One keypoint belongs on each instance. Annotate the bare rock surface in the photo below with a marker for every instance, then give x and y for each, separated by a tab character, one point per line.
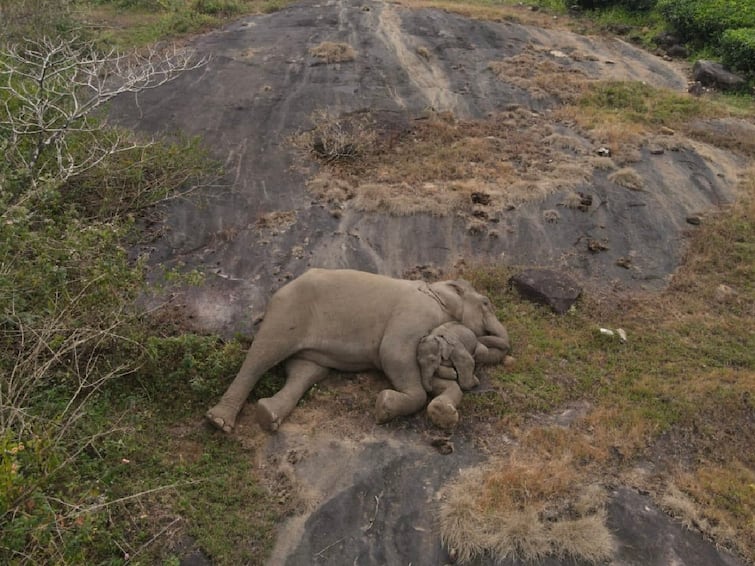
370	496
260	226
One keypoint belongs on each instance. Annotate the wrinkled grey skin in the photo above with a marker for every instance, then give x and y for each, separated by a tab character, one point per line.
453	345
352	321
442	410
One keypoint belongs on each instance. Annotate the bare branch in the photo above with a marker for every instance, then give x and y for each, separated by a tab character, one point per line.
52	90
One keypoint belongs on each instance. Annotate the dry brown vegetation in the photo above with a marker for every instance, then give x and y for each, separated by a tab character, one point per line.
533	71
333	52
440	165
498	12
669	412
526	507
628	178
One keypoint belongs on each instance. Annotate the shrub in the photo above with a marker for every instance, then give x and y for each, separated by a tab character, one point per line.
738	49
33	18
706	20
629	5
217	7
66	285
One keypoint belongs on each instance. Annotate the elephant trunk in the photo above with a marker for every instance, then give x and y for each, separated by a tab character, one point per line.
493	327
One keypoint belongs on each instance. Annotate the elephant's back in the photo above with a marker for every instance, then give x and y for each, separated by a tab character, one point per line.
351	283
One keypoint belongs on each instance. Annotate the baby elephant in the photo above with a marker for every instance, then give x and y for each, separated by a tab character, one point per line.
447	355
451	346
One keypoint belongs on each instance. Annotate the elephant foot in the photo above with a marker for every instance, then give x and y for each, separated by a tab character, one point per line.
266	416
386	405
443	413
391	404
221	417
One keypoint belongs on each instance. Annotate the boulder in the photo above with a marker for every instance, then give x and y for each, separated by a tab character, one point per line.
666	39
712	74
553	288
677	51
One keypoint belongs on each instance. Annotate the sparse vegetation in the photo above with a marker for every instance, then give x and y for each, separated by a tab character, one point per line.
333	52
440	163
687	369
129	23
627	178
84	374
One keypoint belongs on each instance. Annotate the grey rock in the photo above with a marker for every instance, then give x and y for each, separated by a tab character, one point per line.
666	39
713	74
647	537
694	219
678	51
553	288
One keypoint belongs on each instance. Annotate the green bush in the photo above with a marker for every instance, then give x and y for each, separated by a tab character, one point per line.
704	21
223	8
151	5
738	49
629	5
68	327
22	19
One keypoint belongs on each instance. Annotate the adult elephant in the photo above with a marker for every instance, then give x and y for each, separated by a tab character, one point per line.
353	321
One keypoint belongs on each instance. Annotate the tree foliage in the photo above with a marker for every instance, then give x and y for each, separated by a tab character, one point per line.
67	282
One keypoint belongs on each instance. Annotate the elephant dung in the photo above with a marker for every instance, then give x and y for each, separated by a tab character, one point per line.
555	289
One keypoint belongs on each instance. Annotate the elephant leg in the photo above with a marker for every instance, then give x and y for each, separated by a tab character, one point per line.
442	410
465	366
399	363
445	372
300	376
267	350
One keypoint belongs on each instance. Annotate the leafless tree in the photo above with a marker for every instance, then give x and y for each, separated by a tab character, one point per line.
50	94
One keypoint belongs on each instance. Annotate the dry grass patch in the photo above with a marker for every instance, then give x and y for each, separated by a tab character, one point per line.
496	12
333	52
533	71
719	501
526	507
441	165
628	178
278	221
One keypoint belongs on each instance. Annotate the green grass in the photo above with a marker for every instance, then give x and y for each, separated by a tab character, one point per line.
686	372
127	23
643	104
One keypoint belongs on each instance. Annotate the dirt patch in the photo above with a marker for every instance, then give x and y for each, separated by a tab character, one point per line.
333	52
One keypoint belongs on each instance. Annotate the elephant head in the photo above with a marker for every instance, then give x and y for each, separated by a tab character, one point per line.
431	351
474	310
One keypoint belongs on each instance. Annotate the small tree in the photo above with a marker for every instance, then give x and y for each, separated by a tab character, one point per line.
51	91
65	282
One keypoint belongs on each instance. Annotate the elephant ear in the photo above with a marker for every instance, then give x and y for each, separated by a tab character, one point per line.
450	295
461	286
